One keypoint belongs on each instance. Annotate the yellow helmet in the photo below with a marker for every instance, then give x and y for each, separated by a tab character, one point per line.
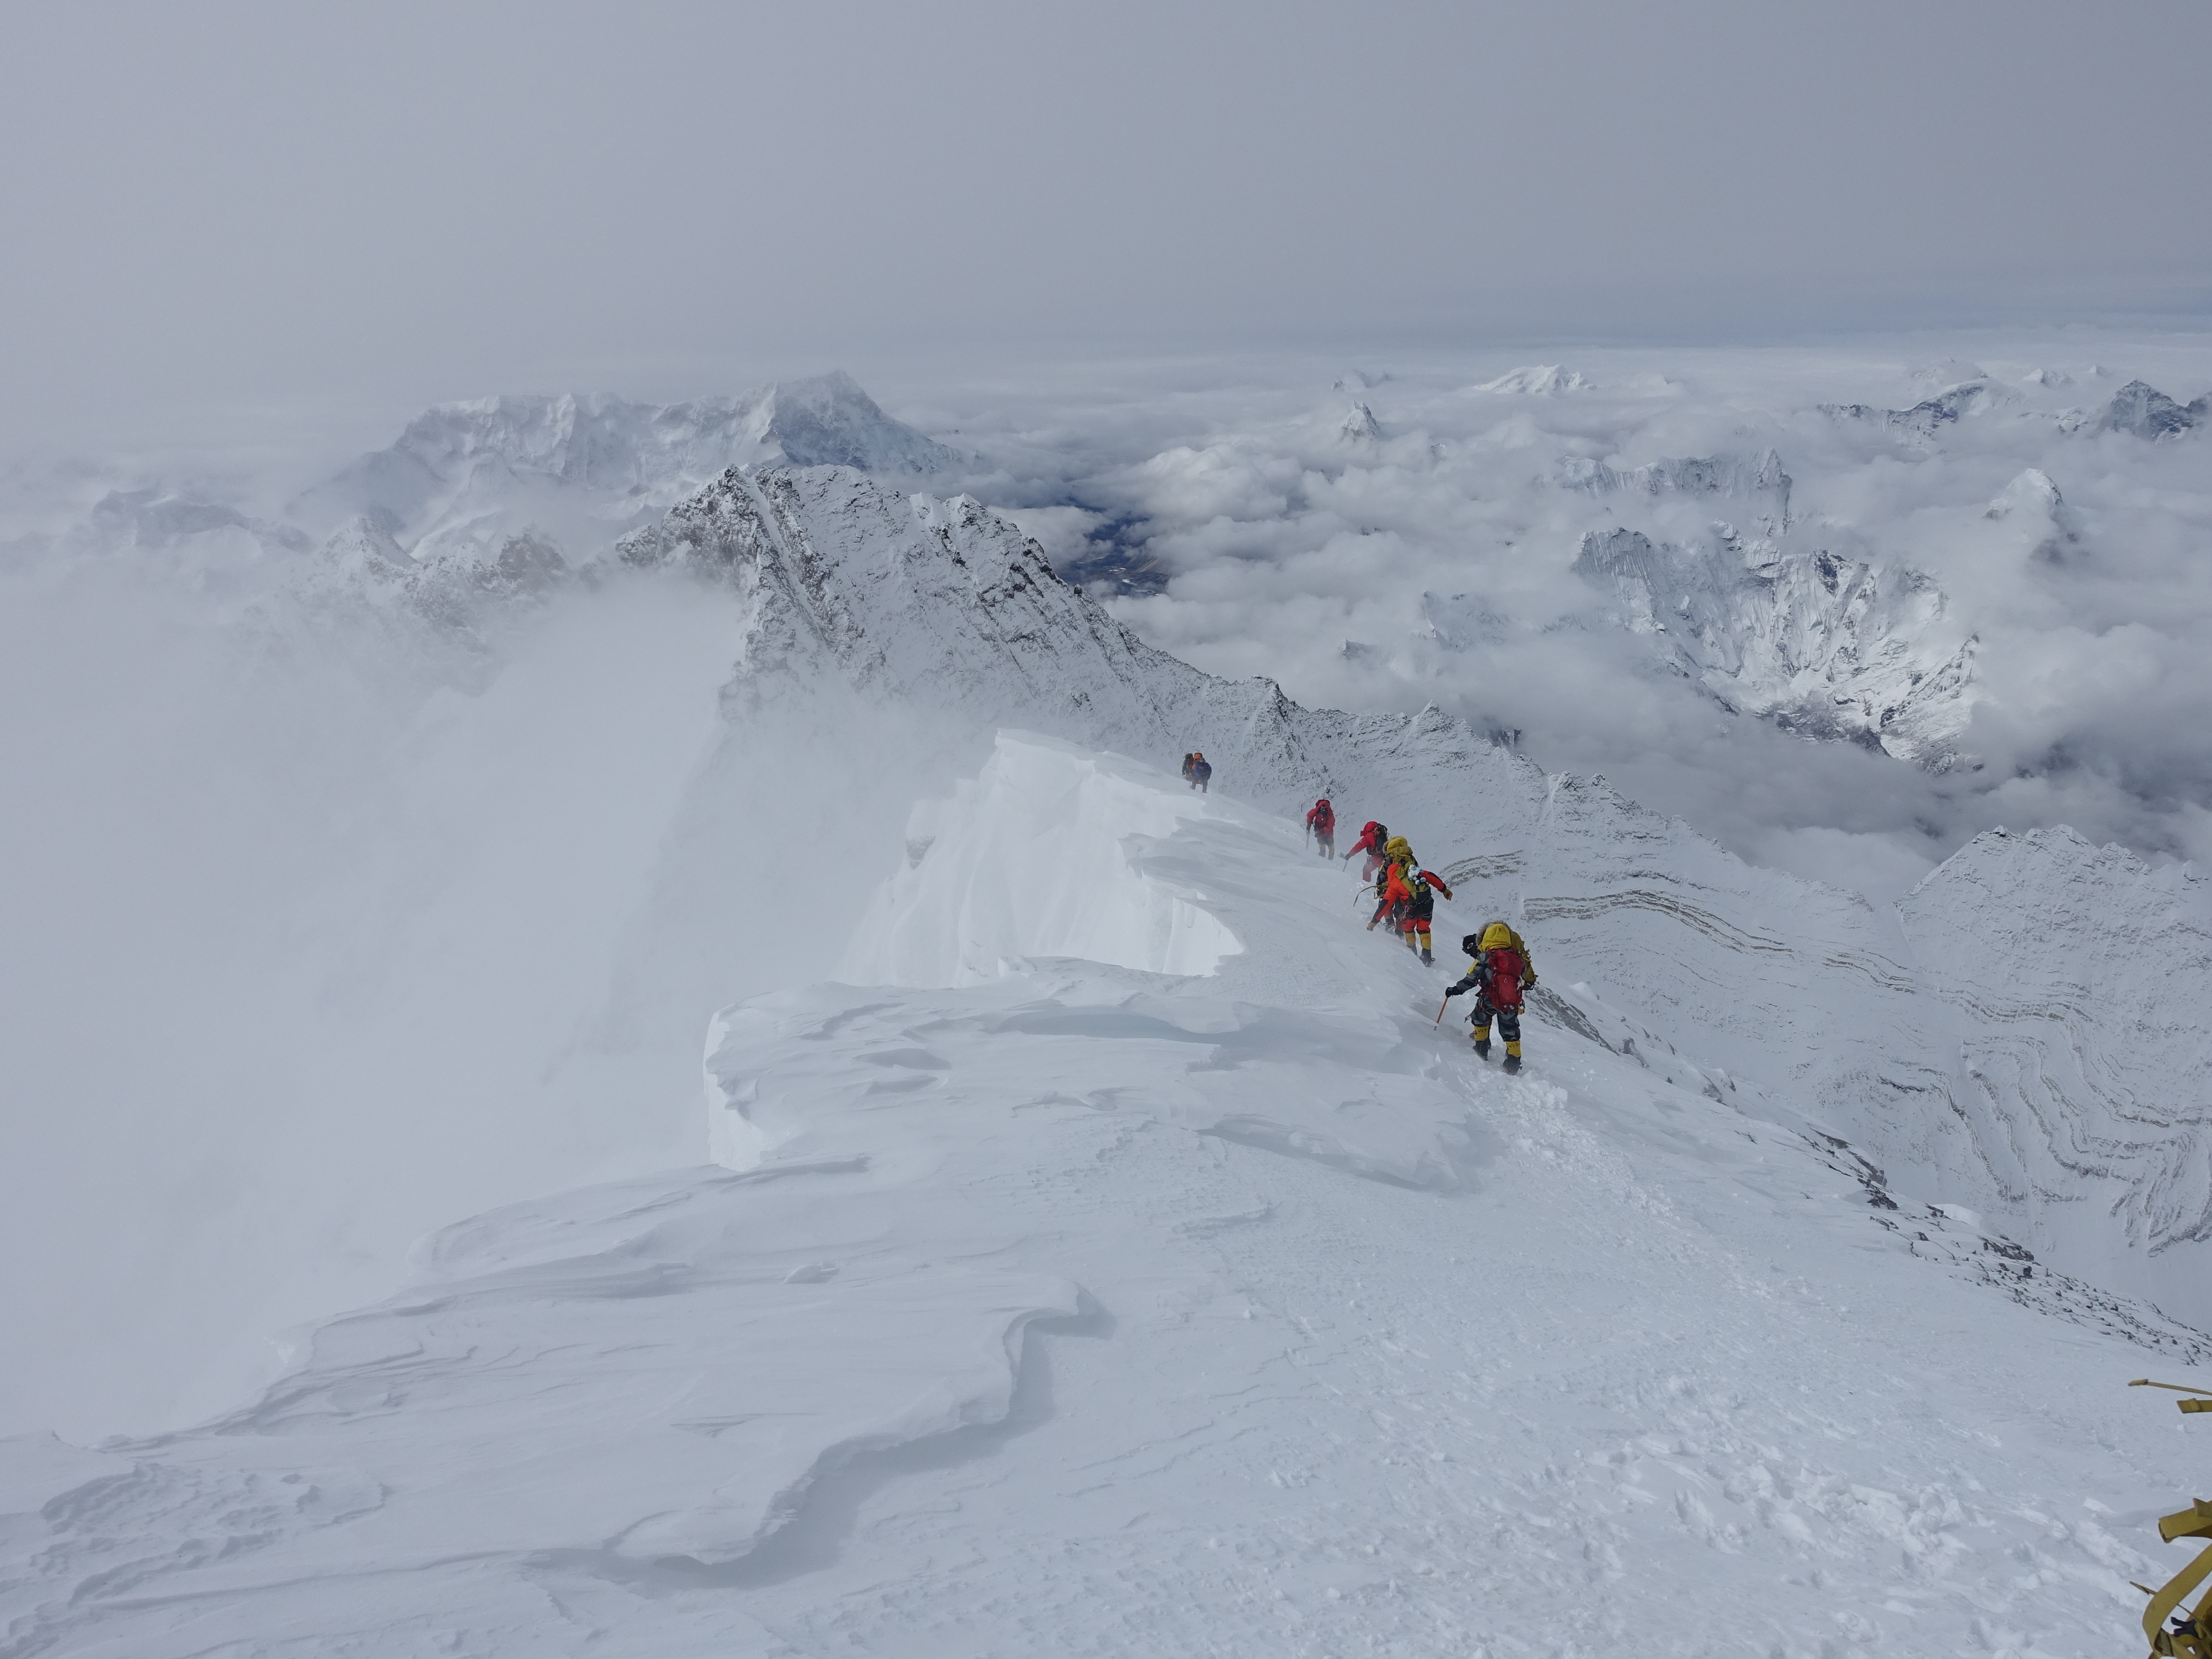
1496	936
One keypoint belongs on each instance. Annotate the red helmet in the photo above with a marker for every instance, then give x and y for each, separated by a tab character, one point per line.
1323	801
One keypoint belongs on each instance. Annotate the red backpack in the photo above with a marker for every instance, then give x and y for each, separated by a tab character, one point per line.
1506	966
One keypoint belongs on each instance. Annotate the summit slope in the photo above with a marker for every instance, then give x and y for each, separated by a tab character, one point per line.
1812	999
1087	1308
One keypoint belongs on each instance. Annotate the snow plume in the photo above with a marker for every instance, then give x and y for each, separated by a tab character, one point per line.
2016	626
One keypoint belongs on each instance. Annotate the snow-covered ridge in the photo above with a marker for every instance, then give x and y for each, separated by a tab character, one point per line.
943	610
1926	419
1243	1312
920	603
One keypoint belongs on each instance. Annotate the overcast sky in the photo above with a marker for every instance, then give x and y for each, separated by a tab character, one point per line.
217	204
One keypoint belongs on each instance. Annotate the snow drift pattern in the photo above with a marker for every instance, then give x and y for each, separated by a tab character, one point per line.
1087	1281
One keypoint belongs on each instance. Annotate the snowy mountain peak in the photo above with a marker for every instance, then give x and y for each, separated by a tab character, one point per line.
1949	371
1925	419
1817	643
2032	502
1360	426
1537	380
2031	492
828	421
2142	409
1760	478
579	472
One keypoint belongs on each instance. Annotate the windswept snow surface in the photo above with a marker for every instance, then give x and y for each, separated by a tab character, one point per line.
2077	974
1084	1308
1793	996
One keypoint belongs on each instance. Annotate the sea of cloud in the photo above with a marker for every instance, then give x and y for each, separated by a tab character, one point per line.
1398	529
1407	532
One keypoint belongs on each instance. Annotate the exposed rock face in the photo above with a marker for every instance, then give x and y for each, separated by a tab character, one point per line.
2142	410
1921	423
1760	479
1819	644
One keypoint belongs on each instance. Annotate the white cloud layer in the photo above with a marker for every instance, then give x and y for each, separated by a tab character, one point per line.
1961	566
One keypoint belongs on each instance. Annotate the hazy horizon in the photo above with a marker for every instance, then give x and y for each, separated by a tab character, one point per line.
256	207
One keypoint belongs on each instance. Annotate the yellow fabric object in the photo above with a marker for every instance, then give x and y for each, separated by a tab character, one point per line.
1514	1050
2176	1590
1397	851
1497	933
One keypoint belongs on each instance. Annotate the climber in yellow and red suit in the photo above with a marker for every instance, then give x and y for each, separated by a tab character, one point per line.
1500	973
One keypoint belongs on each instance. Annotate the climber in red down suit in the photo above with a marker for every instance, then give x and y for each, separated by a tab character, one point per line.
1370	842
1320	824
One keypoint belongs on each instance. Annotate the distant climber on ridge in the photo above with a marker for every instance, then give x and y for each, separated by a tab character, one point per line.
1189	761
1200	771
1320	824
1498	974
1370	842
1425	885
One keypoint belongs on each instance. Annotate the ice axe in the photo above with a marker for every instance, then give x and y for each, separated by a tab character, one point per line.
1441	1007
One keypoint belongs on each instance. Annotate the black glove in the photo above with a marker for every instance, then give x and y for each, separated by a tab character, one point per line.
1454	991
